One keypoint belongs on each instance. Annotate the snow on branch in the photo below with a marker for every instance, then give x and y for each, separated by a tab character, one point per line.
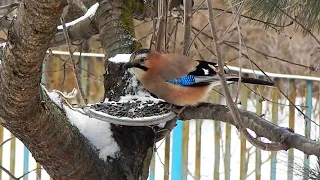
90	13
120	58
96	131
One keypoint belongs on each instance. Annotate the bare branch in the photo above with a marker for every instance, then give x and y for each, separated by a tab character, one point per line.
77	32
187	26
29	172
294	20
8	172
9	6
232	106
261	126
161	25
6	141
75	70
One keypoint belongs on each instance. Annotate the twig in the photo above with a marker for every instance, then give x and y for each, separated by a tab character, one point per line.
282	93
265	99
8	172
237	15
274	57
6	141
187	26
233	109
294	20
231	22
9	6
29	172
161	24
258	20
264	54
199	6
76	74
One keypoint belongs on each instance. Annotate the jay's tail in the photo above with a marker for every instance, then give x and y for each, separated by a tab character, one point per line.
250	81
215	80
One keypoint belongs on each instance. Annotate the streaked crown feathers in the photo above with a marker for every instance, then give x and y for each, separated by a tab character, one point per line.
139	55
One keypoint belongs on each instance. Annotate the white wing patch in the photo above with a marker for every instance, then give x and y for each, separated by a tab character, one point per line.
206	71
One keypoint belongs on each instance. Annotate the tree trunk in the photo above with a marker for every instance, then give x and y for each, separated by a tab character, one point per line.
115	24
42	126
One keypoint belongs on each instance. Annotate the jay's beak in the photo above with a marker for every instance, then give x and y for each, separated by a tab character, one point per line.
128	65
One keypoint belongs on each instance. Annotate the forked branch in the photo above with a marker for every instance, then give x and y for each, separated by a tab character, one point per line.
233	109
284	138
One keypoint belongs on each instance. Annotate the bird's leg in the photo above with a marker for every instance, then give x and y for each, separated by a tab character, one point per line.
174	108
181	109
166	105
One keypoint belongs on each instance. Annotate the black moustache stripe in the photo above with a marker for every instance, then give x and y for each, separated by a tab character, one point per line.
141	67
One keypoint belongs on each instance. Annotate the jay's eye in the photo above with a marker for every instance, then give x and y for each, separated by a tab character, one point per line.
142	60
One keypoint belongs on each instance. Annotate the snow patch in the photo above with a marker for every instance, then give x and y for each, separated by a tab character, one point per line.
139	97
56	98
96	131
120	58
3	44
90	13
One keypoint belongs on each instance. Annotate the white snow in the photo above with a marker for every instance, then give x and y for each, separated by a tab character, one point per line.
90	13
56	98
120	58
96	131
3	44
139	97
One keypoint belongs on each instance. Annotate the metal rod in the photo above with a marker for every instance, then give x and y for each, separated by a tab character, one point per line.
176	167
308	128
1	148
275	98
185	145
292	97
243	143
258	151
152	167
198	150
12	154
167	158
25	163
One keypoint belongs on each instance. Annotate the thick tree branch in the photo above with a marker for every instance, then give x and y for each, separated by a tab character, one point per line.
27	111
80	31
259	125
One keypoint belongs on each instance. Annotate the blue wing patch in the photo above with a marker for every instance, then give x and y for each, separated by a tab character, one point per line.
187	80
202	76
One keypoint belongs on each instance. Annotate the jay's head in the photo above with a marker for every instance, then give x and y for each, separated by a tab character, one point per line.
141	61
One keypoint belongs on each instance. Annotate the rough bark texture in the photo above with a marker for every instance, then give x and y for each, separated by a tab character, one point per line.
134	142
25	109
42	126
115	25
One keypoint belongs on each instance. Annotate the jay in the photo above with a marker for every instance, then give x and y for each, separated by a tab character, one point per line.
178	79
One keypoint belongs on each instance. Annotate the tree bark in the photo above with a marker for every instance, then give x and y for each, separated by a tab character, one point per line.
32	117
115	23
